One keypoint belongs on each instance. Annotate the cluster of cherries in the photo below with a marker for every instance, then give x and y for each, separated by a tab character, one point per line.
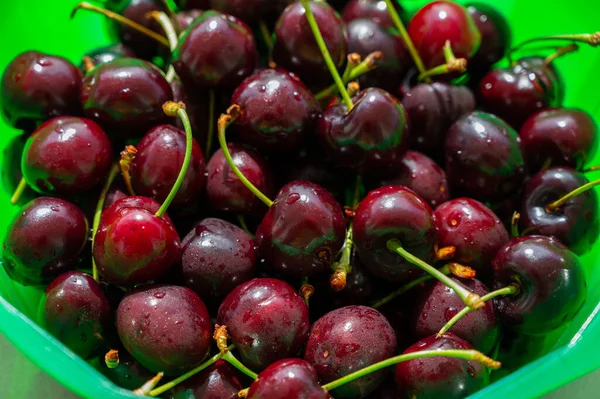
323	297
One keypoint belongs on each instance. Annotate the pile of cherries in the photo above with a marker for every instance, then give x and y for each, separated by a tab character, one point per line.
412	203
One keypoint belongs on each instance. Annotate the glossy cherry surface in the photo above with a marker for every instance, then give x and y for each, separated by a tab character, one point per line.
303	230
551	281
440	377
75	310
30	257
483	157
346	340
105	54
66	155
216	50
495	36
393	212
250	11
278	112
165	327
219	381
137	11
125	96
267	321
37	86
375	10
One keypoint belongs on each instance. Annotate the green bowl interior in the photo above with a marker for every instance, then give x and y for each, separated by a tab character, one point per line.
561	356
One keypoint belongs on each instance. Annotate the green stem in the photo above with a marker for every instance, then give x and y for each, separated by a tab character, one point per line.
228	356
180	111
553	206
593	39
167	25
452	64
243	225
469	298
264	31
326	56
514	224
560	52
172	16
510	290
98	212
455	353
18	191
211	123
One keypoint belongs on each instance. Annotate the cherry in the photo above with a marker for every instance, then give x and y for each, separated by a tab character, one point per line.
278	111
422	175
129	373
165	327
196	104
369	137
287	378
438	22
375	10
75	310
483	157
216	50
473	230
558	137
303	230
105	54
551	283
125	96
495	36
185	18
224	189
346	340
267	321
30	256
66	155
440	377
219	381
295	47
216	257
250	11
37	86
192	4
393	212
158	161
574	223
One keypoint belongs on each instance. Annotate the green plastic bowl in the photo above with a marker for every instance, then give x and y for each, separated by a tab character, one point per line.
556	359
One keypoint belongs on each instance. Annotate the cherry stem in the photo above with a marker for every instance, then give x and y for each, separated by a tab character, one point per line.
172	16
306	290
88	63
594	168
224	121
122	20
326	56
98	212
266	35
560	52
228	357
461	271
444	270
452	64
553	206
514	224
171	108
211	123
18	191
510	290
405	37
149	385
167	25
243	225
455	353
111	359
127	156
593	39
469	298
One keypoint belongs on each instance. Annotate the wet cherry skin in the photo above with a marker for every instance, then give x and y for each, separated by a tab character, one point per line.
375	10
104	54
186	17
495	37
220	380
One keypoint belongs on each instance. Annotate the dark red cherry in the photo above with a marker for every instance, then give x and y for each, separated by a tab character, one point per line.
125	96
37	86
372	136
558	137
216	50
133	245
551	283
303	230
278	112
483	157
75	310
422	175
219	381
575	223
197	107
30	256
267	321
216	257
438	22
375	10
295	47
129	374
66	155
393	212
104	54
288	378
224	189
165	327
432	109
192	4
440	377
186	17
437	304
349	339
474	230
250	11
495	36
158	162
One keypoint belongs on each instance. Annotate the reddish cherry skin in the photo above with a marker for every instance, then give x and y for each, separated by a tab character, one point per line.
266	319
438	22
219	381
165	327
186	17
495	36
375	10
66	155
250	11
36	86
197	107
105	54
137	10
346	340
288	378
